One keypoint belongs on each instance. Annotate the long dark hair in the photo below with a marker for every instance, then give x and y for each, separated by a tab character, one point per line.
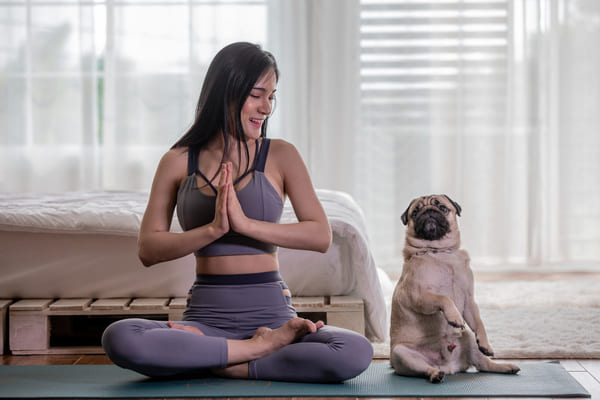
227	84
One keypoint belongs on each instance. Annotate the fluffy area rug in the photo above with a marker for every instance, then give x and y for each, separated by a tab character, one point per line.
548	318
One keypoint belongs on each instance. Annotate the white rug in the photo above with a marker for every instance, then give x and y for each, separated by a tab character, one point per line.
538	318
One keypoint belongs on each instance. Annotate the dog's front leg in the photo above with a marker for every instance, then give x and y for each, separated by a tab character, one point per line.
473	319
429	303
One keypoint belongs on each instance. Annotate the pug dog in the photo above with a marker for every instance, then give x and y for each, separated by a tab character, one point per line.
435	325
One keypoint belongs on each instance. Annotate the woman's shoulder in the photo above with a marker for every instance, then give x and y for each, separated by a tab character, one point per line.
283	148
175	161
284	155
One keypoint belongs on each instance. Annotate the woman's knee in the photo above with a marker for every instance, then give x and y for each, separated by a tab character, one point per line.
358	355
121	339
351	353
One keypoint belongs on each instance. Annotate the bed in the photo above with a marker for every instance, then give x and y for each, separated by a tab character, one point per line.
83	244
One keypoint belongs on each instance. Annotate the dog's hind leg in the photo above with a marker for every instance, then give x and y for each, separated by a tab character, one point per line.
483	363
409	362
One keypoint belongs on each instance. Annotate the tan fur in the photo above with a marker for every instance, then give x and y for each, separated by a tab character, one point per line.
435	325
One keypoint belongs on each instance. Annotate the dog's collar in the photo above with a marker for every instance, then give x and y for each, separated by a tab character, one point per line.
433	251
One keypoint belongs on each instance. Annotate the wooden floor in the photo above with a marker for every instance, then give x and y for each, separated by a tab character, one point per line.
587	372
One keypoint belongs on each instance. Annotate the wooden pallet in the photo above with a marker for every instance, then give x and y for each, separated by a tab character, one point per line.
30	320
4	325
341	311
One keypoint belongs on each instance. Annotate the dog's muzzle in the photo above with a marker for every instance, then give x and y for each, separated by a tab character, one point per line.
431	225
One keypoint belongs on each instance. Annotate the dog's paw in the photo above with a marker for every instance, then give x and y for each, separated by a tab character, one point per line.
485	347
457	323
487	351
508	368
437	376
514	369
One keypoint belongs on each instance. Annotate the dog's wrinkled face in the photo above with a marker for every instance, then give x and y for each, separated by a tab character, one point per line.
431	217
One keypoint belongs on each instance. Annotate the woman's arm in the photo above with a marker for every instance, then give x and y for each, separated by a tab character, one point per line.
155	243
312	231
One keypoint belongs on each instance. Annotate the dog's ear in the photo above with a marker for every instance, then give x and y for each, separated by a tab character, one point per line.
455	204
404	216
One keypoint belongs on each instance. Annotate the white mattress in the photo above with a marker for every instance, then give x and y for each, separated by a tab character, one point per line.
83	244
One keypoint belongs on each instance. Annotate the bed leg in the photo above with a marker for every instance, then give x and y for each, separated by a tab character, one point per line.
347	312
29	328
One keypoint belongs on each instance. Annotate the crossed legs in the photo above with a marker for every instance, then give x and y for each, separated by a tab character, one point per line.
299	350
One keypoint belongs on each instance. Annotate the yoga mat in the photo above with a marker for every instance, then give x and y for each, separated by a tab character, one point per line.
536	379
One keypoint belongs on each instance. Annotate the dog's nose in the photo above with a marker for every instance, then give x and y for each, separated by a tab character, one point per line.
431	225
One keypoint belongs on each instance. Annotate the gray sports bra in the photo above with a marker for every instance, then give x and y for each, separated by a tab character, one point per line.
258	199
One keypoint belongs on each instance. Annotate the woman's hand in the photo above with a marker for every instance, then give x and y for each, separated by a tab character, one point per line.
221	221
237	219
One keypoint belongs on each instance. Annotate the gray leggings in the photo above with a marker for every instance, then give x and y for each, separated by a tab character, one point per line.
224	310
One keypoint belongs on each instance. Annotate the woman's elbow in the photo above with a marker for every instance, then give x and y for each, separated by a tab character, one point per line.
146	261
145	255
324	241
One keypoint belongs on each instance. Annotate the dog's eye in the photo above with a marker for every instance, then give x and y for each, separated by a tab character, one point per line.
414	213
444	209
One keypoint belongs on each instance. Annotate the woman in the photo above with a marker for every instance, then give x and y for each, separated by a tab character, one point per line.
228	183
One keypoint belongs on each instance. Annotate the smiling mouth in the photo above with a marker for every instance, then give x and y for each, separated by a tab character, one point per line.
256	122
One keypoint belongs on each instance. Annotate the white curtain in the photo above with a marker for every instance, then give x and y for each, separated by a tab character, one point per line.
563	60
495	103
93	93
315	43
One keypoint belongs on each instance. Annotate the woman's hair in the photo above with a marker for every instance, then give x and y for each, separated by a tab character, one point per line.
230	77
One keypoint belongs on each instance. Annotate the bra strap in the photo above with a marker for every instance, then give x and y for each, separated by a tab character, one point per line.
192	160
260	163
256	155
193	166
207	181
260	159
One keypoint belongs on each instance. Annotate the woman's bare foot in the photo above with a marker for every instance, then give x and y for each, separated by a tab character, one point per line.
264	342
273	339
192	329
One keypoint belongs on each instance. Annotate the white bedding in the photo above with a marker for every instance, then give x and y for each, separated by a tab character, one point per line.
83	244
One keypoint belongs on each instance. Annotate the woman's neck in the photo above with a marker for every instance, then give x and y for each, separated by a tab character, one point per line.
236	149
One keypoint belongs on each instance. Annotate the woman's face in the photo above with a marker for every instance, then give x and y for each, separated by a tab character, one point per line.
258	105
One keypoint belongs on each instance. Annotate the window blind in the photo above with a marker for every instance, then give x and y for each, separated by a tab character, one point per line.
421	61
432	73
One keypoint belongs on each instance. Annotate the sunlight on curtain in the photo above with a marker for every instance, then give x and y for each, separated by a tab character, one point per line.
93	93
315	44
577	123
434	119
495	103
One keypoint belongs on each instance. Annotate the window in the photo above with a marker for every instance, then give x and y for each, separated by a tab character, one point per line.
433	73
94	92
490	102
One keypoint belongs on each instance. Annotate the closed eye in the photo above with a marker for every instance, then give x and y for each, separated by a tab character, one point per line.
254	96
